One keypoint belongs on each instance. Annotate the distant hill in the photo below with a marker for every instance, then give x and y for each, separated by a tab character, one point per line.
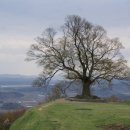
11	106
8	79
9	95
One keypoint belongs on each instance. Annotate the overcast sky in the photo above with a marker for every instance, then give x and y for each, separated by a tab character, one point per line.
21	21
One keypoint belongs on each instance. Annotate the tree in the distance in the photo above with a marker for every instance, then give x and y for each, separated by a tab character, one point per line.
81	50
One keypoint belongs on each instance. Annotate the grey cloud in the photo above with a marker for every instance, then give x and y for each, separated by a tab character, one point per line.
100	11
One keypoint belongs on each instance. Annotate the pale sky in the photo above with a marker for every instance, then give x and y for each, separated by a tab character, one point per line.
21	21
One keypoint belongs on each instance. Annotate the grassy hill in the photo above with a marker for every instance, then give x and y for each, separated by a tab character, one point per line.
65	115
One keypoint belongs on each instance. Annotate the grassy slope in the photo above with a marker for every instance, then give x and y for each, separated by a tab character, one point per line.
62	115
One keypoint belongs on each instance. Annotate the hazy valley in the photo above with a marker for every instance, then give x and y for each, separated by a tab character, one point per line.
16	91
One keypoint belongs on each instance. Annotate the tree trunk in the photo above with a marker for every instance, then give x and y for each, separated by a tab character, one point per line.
86	89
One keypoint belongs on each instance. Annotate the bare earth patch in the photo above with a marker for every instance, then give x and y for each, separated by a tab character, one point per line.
115	127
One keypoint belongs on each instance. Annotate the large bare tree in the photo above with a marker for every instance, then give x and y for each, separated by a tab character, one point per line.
81	50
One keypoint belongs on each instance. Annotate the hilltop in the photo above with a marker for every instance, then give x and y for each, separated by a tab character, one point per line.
66	115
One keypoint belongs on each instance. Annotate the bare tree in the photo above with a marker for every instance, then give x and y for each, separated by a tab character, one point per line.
81	50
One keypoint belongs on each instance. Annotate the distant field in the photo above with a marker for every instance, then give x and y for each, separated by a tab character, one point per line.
65	115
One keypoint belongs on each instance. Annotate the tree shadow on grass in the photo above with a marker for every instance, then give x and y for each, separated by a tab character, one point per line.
83	109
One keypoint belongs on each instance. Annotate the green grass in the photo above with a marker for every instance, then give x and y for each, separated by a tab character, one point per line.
73	116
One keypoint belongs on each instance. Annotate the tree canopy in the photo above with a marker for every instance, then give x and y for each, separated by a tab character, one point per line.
82	50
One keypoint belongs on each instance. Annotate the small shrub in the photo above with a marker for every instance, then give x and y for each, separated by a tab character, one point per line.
6	119
54	94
